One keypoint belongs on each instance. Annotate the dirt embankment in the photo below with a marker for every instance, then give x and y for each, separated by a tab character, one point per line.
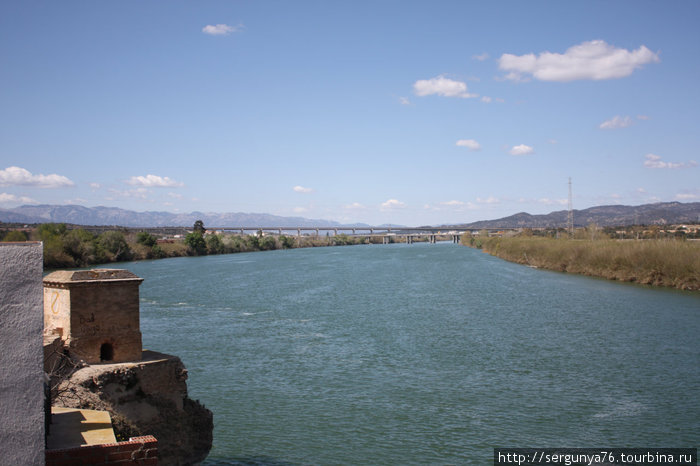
147	397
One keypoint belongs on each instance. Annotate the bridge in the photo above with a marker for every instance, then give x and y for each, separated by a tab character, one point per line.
386	232
409	234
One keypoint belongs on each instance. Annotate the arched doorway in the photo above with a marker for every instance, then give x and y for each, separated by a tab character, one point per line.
106	352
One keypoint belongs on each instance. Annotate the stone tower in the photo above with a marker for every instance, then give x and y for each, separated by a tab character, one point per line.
96	312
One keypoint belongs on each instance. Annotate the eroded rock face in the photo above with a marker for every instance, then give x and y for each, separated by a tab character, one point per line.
147	397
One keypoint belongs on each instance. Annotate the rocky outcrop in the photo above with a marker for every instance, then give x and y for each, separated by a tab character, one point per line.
147	397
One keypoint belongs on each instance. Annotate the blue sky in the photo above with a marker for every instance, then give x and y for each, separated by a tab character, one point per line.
368	111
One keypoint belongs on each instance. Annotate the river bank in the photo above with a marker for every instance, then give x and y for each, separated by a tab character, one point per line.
668	263
70	248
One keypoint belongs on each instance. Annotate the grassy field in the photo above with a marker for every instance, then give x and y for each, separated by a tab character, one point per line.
667	262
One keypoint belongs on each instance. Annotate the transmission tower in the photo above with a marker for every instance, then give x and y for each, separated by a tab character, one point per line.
570	216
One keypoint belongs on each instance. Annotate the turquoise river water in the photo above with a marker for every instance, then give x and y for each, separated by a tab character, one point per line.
420	354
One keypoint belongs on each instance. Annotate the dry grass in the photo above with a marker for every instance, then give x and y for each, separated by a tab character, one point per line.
672	263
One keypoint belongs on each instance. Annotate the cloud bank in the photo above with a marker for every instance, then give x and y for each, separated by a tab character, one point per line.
592	60
617	122
470	144
654	161
16	176
154	181
219	29
521	149
393	204
441	86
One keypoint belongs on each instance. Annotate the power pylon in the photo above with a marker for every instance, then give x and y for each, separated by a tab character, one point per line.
570	216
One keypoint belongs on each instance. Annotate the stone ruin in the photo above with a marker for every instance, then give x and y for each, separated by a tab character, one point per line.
96	314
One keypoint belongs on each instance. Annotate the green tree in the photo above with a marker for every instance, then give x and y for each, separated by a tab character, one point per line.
252	243
114	246
233	243
146	239
51	234
343	240
214	244
15	236
267	243
80	245
157	252
467	239
51	231
287	242
196	244
199	227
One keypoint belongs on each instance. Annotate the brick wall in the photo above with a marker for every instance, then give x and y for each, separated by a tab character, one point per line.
141	451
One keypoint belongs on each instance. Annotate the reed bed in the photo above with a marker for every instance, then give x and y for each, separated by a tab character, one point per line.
667	262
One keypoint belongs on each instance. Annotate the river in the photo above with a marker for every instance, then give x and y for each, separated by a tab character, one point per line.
420	354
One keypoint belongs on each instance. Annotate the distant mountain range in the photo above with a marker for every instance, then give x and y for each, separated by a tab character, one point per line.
661	213
79	215
614	215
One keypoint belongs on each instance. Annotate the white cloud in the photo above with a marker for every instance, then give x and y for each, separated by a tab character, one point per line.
521	149
482	57
6	198
16	176
617	122
442	86
301	189
643	117
687	196
393	204
136	193
594	60
513	76
547	201
470	144
355	206
486	99
654	161
220	29
488	200
404	101
175	195
95	186
154	181
552	141
453	205
300	210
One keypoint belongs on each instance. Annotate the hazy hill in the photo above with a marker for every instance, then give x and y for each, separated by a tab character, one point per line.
661	213
80	215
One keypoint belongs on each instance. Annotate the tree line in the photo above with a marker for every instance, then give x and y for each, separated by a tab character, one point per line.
70	248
